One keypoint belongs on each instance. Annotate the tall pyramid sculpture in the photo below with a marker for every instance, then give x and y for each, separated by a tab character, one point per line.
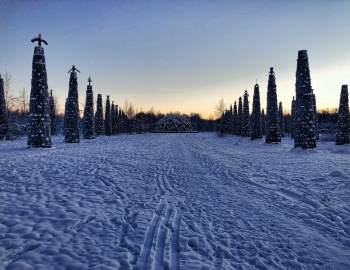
239	116
272	124
99	124
89	118
343	128
292	119
305	135
71	115
235	118
52	115
4	127
263	122
116	119
281	119
245	116
39	130
113	119
108	123
256	115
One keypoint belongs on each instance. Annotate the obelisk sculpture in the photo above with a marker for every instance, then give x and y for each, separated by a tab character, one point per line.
272	124
71	117
108	124
39	131
99	124
305	118
256	115
343	127
53	123
89	118
4	126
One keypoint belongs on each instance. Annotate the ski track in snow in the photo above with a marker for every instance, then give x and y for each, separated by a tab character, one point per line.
174	201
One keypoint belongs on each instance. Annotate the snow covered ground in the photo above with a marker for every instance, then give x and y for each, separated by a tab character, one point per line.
174	201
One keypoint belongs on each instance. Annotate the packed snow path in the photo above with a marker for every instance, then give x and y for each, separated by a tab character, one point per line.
174	201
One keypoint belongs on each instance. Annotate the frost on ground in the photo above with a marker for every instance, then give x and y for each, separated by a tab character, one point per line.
174	201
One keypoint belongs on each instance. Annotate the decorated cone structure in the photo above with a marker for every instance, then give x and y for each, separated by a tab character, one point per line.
245	116
4	127
71	117
52	115
239	116
305	135
99	125
256	115
89	119
39	131
342	136
108	123
281	119
292	119
272	125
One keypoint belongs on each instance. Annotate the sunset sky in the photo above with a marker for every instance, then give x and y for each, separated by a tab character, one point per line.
179	55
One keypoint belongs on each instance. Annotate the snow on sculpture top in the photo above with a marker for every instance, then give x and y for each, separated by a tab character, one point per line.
174	123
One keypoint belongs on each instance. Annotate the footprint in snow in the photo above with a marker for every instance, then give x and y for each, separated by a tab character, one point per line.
335	174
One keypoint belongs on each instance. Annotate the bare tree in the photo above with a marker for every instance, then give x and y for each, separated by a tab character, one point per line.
220	108
9	98
22	102
129	109
57	106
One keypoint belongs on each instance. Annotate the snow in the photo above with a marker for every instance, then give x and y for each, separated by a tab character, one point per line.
178	201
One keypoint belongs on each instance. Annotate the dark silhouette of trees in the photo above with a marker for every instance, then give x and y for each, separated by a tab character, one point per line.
342	135
225	123
272	125
230	121
256	115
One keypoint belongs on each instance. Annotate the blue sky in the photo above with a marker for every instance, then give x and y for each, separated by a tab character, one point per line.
179	55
